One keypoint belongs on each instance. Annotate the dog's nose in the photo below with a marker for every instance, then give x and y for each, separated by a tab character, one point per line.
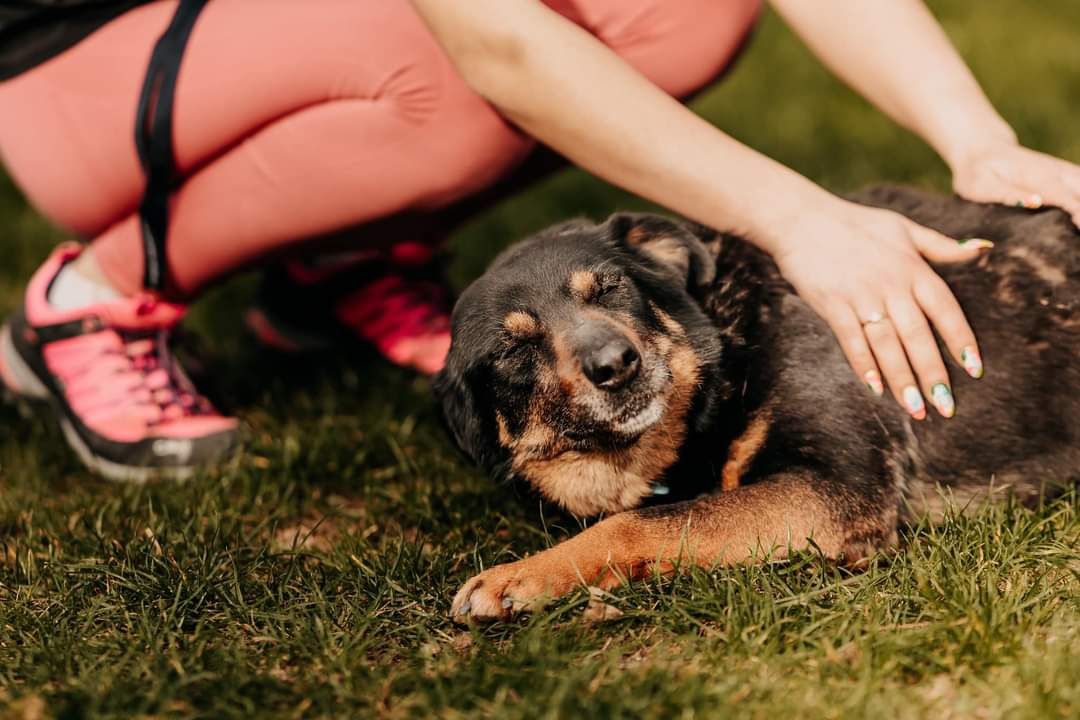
611	365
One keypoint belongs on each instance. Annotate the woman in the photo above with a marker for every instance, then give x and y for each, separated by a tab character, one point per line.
296	120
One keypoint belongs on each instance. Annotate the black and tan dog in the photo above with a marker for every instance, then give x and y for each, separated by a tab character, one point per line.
601	363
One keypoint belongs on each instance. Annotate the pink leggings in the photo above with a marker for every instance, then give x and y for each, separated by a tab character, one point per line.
298	119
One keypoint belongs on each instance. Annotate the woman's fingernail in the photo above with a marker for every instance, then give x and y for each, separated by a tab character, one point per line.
943	400
873	381
914	402
969	356
1031	202
977	243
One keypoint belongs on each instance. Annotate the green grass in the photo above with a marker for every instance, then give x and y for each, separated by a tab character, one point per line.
312	577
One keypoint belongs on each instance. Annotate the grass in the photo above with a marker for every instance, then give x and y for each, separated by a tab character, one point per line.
311	578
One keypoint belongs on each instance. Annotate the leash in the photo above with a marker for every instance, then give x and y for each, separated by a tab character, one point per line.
154	139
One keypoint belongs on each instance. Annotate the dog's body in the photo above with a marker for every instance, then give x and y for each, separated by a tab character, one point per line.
583	364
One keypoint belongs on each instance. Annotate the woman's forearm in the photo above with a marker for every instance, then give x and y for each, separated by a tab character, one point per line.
848	262
561	85
895	54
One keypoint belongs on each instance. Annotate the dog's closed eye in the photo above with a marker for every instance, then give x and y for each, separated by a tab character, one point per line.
607	283
591	287
521	332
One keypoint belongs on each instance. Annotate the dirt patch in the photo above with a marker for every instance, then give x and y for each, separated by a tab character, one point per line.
320	531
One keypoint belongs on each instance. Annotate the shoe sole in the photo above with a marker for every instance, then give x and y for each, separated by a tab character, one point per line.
17	376
23	384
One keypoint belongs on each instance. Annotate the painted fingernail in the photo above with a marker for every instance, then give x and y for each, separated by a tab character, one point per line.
1033	202
658	489
873	381
914	402
464	609
977	243
943	400
969	356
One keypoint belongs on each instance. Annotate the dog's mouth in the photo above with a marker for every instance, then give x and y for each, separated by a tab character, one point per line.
637	423
617	421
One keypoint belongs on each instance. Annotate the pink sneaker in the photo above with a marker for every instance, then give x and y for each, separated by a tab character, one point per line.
407	321
124	404
396	303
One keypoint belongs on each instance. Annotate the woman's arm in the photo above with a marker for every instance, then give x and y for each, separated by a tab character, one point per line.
895	54
561	85
849	262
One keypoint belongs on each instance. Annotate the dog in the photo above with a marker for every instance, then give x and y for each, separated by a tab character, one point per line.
611	366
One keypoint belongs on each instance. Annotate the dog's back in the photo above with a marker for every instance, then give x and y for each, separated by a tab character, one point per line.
1018	428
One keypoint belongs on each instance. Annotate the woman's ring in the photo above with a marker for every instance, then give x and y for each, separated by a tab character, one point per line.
873	318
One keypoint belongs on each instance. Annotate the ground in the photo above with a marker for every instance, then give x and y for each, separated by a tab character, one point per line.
312	577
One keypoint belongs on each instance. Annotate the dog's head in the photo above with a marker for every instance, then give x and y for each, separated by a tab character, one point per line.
576	358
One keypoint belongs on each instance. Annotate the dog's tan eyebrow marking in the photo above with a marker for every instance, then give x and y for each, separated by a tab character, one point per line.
520	324
743	450
583	284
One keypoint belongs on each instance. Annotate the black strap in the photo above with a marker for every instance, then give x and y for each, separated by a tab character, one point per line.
45	334
154	138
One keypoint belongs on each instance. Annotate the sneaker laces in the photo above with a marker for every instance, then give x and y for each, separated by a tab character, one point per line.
151	375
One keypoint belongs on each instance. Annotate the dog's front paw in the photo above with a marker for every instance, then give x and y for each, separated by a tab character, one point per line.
505	590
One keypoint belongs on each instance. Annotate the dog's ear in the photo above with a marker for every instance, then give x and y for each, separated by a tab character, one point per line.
461	414
677	245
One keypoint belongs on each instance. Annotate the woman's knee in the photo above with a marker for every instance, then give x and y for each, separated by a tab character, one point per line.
381	67
681	46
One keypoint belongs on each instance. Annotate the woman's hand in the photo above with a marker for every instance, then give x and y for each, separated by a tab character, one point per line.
863	270
1011	174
